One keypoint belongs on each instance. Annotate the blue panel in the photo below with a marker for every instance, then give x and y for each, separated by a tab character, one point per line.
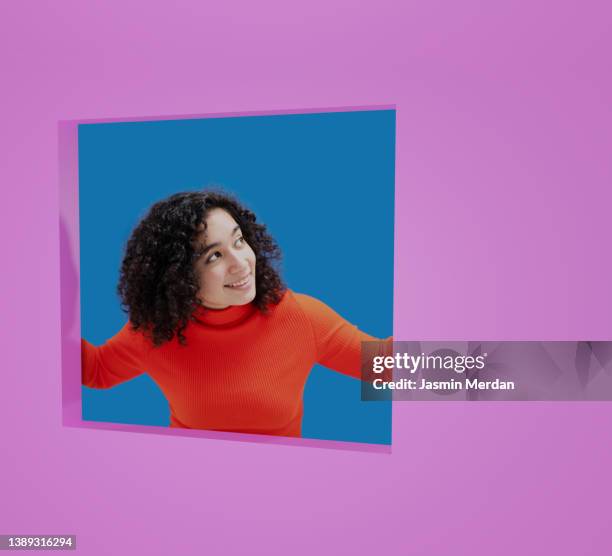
323	184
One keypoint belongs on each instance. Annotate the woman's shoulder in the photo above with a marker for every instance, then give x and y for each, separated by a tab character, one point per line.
309	305
291	297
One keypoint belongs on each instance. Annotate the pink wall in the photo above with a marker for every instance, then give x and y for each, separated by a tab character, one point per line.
503	207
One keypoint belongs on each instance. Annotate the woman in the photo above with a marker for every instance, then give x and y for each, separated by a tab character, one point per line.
212	323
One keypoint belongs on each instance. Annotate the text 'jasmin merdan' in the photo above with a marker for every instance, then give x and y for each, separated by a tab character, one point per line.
414	363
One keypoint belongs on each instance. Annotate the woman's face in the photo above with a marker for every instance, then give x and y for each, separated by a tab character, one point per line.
226	269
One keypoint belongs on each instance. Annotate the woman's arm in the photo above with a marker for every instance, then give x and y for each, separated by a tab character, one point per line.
338	342
117	360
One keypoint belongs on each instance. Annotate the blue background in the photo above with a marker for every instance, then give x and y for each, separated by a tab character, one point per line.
324	186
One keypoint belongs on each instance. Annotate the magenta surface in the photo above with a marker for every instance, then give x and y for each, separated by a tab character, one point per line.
504	135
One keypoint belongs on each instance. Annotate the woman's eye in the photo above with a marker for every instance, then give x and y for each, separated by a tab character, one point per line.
216	255
239	242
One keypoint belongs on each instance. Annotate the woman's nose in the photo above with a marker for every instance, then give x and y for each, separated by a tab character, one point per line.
237	263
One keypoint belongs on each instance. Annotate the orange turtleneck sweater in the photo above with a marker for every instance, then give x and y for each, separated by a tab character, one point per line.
241	370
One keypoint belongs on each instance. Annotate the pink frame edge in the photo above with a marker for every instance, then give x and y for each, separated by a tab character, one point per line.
70	289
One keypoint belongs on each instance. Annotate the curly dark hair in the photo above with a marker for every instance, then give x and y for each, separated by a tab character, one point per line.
158	284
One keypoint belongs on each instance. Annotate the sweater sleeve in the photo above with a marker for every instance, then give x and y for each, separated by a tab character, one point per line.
117	360
338	342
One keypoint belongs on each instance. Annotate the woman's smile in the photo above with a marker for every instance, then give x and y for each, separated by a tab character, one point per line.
243	283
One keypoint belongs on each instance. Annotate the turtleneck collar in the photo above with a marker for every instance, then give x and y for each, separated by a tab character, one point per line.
230	316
